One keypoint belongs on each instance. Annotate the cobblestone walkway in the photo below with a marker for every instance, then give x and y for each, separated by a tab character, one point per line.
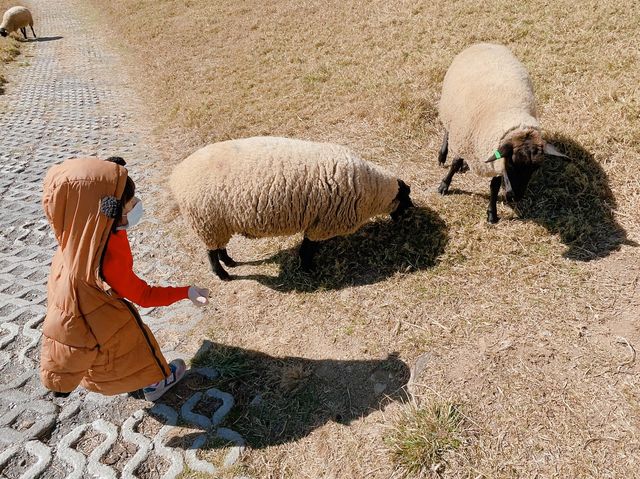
66	98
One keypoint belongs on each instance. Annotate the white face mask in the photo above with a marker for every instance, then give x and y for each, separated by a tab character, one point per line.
133	217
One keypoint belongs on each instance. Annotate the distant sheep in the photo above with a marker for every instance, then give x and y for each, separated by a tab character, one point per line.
268	186
17	18
488	111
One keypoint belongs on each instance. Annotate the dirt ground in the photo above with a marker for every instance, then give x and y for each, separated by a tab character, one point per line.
530	325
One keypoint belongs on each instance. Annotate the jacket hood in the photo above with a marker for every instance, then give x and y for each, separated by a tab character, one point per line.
71	199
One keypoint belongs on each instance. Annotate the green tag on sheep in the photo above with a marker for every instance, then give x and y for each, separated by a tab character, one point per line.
497	154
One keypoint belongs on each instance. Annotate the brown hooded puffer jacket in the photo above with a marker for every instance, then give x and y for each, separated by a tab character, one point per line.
91	336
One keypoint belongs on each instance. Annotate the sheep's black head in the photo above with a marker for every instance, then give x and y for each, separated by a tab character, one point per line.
523	154
403	199
3	32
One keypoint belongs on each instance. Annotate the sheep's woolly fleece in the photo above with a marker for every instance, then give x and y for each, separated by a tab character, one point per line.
15	18
487	95
268	186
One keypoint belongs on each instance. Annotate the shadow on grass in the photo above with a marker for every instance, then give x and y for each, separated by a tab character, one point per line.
282	399
571	198
375	252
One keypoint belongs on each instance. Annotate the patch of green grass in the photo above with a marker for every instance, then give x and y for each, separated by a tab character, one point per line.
422	436
319	75
223	473
229	362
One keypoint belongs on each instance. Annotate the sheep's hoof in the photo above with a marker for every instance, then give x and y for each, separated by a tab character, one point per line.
492	217
443	189
442	161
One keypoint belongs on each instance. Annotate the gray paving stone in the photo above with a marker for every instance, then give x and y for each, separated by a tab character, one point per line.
68	102
67	454
94	466
192	460
43	456
194	418
142	442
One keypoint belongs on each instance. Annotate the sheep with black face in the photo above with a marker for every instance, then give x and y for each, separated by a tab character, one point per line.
17	18
488	110
268	186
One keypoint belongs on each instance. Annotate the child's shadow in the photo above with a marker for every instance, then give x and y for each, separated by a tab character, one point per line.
282	399
375	252
571	197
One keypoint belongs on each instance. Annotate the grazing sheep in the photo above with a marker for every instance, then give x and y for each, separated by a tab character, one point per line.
488	111
267	186
17	18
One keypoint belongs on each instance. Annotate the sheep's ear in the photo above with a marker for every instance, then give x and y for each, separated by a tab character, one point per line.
551	150
505	151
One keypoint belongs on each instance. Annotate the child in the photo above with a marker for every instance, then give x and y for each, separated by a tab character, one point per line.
92	335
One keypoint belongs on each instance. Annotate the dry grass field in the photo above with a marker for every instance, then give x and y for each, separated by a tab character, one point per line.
529	326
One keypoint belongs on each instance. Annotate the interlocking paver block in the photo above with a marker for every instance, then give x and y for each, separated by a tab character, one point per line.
144	444
69	455
72	100
94	466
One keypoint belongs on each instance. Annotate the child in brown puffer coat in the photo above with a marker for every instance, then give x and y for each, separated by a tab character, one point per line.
93	336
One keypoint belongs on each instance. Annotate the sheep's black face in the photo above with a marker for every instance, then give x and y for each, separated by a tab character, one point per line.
524	161
3	32
523	154
403	199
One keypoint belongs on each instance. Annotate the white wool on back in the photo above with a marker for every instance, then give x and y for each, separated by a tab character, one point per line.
269	186
487	96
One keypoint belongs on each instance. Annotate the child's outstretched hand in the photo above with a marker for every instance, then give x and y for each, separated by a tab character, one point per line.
198	296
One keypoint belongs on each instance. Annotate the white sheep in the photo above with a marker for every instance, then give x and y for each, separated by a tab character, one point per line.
17	18
488	111
268	186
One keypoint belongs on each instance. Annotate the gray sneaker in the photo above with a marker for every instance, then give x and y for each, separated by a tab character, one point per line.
153	392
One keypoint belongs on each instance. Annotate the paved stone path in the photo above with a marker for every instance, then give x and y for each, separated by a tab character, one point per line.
67	98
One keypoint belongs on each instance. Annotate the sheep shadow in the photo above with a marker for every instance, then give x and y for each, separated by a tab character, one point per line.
375	252
45	39
282	399
572	198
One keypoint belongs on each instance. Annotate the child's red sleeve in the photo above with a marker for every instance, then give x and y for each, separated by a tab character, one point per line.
117	270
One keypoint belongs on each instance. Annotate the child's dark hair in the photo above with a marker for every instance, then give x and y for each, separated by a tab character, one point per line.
129	191
129	187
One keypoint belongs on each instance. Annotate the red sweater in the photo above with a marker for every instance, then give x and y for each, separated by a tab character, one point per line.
117	269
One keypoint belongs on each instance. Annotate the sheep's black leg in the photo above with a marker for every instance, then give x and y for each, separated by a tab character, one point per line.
492	211
24	32
456	165
217	268
444	149
307	251
226	259
33	31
